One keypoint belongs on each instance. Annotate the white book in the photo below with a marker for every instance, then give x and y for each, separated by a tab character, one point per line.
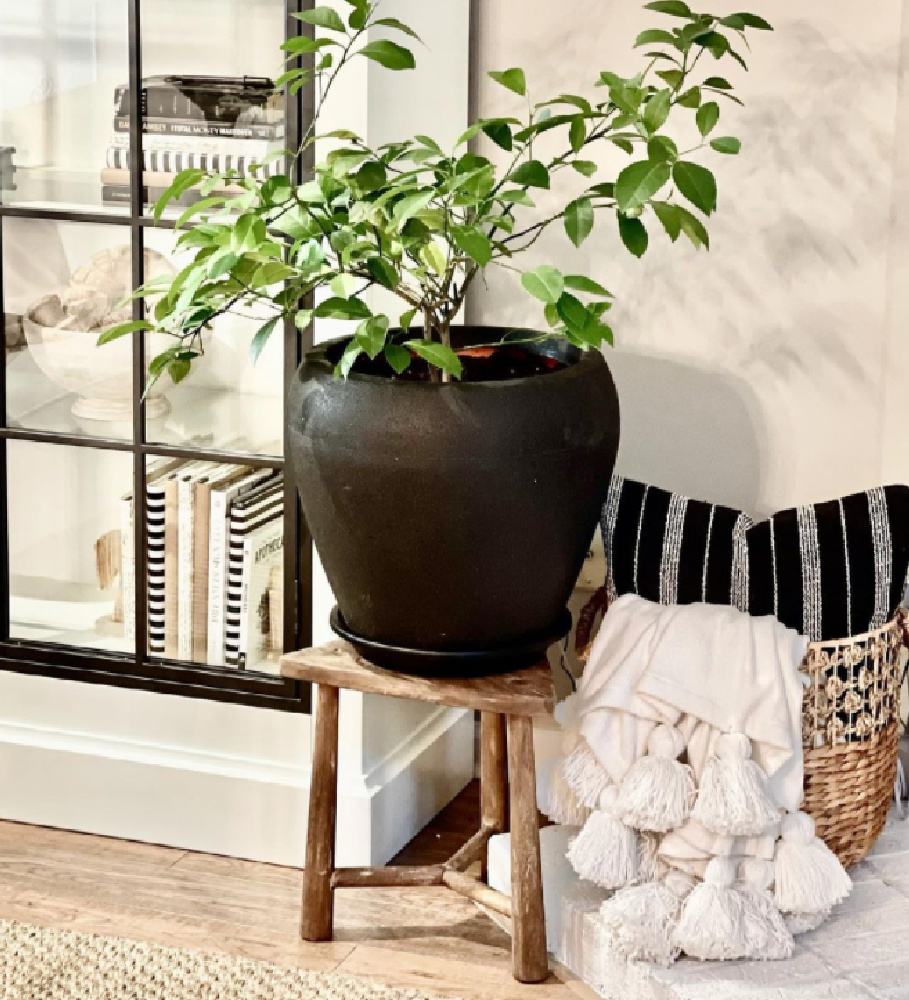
217	556
128	567
185	532
200	144
263	567
246	515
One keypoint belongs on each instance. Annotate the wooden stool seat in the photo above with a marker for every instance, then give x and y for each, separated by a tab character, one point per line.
507	703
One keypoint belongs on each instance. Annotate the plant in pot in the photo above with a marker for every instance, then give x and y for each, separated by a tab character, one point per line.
452	476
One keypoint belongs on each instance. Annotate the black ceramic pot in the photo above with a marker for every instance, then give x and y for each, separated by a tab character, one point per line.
452	519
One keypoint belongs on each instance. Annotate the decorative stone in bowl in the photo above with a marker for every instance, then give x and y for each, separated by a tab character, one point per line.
62	331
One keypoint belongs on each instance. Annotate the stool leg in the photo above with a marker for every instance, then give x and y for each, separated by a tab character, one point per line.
529	960
317	918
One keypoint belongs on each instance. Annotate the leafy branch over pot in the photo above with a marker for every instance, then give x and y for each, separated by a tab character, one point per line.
422	222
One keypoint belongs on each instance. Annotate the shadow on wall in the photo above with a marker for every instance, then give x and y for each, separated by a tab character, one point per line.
689	429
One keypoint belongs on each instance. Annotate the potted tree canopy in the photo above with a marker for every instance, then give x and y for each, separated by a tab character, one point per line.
451	476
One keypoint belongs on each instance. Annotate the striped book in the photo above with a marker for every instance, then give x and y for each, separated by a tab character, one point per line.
246	515
172	161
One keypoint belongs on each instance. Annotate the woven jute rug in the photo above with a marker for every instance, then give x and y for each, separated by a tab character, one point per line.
40	963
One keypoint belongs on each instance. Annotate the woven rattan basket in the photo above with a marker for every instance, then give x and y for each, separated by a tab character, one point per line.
850	729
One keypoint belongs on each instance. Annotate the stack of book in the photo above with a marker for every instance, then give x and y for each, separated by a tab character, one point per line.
215	564
213	123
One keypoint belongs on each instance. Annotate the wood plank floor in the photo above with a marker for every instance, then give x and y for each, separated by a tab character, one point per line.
426	937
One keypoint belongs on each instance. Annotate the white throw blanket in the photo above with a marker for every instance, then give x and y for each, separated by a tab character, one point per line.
705	668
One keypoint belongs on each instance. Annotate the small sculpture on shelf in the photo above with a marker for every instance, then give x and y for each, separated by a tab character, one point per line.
62	328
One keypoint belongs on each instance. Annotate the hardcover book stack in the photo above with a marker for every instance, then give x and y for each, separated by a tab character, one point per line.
215	564
213	123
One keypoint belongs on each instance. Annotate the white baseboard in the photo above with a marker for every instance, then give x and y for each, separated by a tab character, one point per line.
240	805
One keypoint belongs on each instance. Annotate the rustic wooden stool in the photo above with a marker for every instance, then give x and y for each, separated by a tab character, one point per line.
507	703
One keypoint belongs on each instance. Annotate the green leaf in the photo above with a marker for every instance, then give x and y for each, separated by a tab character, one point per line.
398	357
303	319
668	214
515	196
579	220
514	80
221	262
474	243
532	173
122	330
322	17
301	45
693	228
585	167
577	133
623	144
697	184
753	21
409	205
606	190
261	338
639	182
707	117
370	177
673	77
656	111
389	54
633	234
500	133
434	256
437	354
654	36
350	355
181	183
675	8
371	334
545	283
661	147
407	319
338	308
717	44
691	98
178	370
204	205
272	273
580	283
572	312
393	22
717	82
726	144
384	272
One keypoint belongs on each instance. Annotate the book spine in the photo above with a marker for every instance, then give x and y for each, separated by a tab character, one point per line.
200	144
155	512
186	128
234	604
128	568
245	655
171	591
172	161
185	497
201	525
217	542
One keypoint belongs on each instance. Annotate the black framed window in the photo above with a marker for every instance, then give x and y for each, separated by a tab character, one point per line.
104	579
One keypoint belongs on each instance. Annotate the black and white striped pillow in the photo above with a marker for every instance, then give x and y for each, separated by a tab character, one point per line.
829	570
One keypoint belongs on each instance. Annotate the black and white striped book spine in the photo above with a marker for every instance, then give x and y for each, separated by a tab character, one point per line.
242	521
172	161
154	513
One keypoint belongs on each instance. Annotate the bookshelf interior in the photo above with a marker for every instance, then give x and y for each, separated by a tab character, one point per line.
100	586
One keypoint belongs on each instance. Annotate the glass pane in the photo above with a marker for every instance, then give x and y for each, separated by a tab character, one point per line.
62	65
215	564
63	284
211	106
70	554
227	403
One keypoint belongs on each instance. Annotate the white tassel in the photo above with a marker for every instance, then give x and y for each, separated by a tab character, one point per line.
802	923
561	804
809	877
585	775
712	925
605	851
651	867
640	920
733	798
767	936
658	791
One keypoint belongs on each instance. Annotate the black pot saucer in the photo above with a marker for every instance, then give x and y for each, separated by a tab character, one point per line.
454	663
